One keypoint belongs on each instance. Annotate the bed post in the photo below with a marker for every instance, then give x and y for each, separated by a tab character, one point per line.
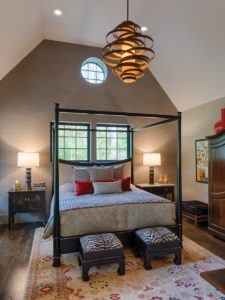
56	225
179	180
52	156
132	157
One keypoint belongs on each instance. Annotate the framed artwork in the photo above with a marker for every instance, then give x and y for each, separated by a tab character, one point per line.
201	158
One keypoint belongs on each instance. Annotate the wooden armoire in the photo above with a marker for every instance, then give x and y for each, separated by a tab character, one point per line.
217	185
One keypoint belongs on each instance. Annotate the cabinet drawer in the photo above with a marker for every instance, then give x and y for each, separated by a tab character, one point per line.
160	190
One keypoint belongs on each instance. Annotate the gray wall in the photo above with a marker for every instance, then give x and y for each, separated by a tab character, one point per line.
51	73
197	124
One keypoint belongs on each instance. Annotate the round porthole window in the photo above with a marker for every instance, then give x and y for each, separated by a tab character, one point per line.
94	70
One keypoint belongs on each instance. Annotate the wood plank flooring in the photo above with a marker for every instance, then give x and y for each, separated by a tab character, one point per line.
15	248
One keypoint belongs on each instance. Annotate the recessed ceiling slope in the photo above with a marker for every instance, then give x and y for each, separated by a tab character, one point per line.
190	48
20	31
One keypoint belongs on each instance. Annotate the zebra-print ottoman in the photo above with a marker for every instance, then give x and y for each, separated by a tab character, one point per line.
157	241
101	249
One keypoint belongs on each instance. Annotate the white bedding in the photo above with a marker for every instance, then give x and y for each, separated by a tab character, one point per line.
87	214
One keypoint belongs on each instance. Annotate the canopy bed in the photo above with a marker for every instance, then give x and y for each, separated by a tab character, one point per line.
119	213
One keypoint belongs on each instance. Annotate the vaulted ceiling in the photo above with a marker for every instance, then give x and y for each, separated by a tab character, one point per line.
189	37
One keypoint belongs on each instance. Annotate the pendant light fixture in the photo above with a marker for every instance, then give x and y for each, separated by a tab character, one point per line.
128	51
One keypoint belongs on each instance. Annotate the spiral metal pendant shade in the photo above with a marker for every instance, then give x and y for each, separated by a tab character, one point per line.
128	51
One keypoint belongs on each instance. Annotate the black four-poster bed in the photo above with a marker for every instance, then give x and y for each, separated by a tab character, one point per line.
62	245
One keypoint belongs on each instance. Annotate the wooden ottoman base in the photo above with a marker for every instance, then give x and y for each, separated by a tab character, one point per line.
150	246
101	249
87	264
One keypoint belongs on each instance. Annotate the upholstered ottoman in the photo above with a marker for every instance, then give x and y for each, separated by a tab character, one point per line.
157	241
101	249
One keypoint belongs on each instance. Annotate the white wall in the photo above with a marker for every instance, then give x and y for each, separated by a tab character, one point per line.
20	31
197	124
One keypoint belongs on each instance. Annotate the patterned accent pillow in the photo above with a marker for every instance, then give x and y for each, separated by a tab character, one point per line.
101	173
107	187
81	174
118	171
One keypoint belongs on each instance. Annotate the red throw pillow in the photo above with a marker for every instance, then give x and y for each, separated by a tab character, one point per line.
125	182
84	187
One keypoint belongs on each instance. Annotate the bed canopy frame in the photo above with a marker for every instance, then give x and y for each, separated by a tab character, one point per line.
63	245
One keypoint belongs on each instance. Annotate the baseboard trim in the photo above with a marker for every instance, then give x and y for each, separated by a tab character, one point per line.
20	218
3	219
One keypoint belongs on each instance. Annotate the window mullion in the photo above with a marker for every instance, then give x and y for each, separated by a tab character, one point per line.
106	143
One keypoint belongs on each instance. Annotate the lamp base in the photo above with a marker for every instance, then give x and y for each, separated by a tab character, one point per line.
151	175
28	179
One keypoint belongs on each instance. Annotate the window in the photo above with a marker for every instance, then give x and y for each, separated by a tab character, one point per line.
112	142
74	141
94	70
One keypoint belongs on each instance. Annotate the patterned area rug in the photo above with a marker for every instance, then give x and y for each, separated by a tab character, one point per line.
165	281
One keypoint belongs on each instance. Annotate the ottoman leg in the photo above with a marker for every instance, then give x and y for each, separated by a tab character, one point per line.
147	261
121	269
85	269
177	259
79	261
136	252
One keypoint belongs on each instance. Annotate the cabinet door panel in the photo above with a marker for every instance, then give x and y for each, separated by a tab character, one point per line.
19	203
217	185
217	169
34	202
218	211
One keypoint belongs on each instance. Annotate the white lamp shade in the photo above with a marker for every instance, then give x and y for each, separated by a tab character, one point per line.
152	159
28	159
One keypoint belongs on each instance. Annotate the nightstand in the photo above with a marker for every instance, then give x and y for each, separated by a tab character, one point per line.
162	190
26	202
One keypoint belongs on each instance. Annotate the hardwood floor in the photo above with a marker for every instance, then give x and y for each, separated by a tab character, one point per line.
15	248
200	236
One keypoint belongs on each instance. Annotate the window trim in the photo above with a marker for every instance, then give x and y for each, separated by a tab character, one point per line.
128	131
99	63
77	124
90	142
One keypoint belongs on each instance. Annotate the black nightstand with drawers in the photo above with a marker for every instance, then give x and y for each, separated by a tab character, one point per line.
26	202
163	190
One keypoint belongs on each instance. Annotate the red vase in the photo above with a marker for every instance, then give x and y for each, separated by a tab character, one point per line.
220	125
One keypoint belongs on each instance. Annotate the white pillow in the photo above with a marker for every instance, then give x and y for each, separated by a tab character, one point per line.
67	187
107	187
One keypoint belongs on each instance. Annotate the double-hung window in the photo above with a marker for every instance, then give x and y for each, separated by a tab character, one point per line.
112	142
74	141
74	144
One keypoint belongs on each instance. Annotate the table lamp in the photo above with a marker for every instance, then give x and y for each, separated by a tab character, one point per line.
151	160
28	160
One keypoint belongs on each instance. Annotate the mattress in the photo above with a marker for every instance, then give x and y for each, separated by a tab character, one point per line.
87	214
